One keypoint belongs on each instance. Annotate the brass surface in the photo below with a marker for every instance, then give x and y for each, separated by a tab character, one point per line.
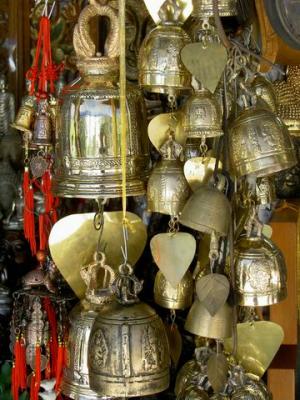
207	210
259	144
201	323
73	242
260	272
128	352
204	8
24	118
258	342
199	170
178	298
185	6
173	254
264	90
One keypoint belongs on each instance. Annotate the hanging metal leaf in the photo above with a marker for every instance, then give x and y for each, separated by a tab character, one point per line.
217	371
175	342
213	290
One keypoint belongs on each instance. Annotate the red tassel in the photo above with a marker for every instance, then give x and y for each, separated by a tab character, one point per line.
42	231
60	366
14	384
23	368
53	329
37	371
48	366
29	225
32	387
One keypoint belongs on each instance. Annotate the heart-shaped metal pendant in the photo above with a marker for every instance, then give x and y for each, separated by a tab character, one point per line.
159	126
258	343
199	170
209	69
173	254
213	290
73	242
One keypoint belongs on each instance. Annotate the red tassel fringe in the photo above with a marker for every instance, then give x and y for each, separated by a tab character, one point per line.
29	225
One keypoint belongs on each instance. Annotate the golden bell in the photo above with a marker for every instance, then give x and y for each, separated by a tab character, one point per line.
264	90
260	272
160	67
202	116
25	117
42	131
88	150
128	347
207	210
168	190
75	383
178	298
201	323
204	8
259	144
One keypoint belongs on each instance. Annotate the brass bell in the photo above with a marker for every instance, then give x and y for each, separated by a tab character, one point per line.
75	382
178	298
128	347
160	67
208	210
202	116
201	323
265	91
88	150
259	144
251	392
204	8
42	131
260	272
25	116
167	189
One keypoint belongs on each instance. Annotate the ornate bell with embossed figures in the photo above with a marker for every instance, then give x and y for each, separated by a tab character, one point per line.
259	144
160	67
88	149
76	377
25	116
42	130
204	8
139	362
168	189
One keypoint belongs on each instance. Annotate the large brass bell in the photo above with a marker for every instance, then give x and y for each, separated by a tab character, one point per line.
202	116
88	151
178	298
259	144
204	8
201	323
168	189
128	348
75	382
260	272
42	130
208	210
160	67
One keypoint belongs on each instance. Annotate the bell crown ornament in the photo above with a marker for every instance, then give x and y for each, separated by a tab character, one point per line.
88	149
139	364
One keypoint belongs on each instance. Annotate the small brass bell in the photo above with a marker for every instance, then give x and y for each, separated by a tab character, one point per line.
202	116
168	189
260	272
178	298
42	131
207	210
259	144
204	8
25	116
128	347
201	323
75	382
265	91
160	67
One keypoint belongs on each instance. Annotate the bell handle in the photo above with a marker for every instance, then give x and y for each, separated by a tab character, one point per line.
82	41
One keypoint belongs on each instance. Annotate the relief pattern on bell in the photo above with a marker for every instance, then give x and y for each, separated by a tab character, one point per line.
178	298
260	272
202	117
264	90
160	67
204	8
259	144
88	150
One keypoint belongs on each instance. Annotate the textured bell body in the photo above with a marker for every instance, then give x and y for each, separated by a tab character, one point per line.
193	393
160	67
260	272
207	210
202	116
204	8
174	298
24	118
190	373
167	190
89	145
75	382
201	323
42	132
251	392
128	352
259	144
265	91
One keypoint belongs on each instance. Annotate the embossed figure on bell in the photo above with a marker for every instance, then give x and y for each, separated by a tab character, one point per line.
88	149
42	130
160	67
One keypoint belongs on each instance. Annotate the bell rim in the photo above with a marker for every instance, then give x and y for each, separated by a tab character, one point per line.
78	392
269	299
